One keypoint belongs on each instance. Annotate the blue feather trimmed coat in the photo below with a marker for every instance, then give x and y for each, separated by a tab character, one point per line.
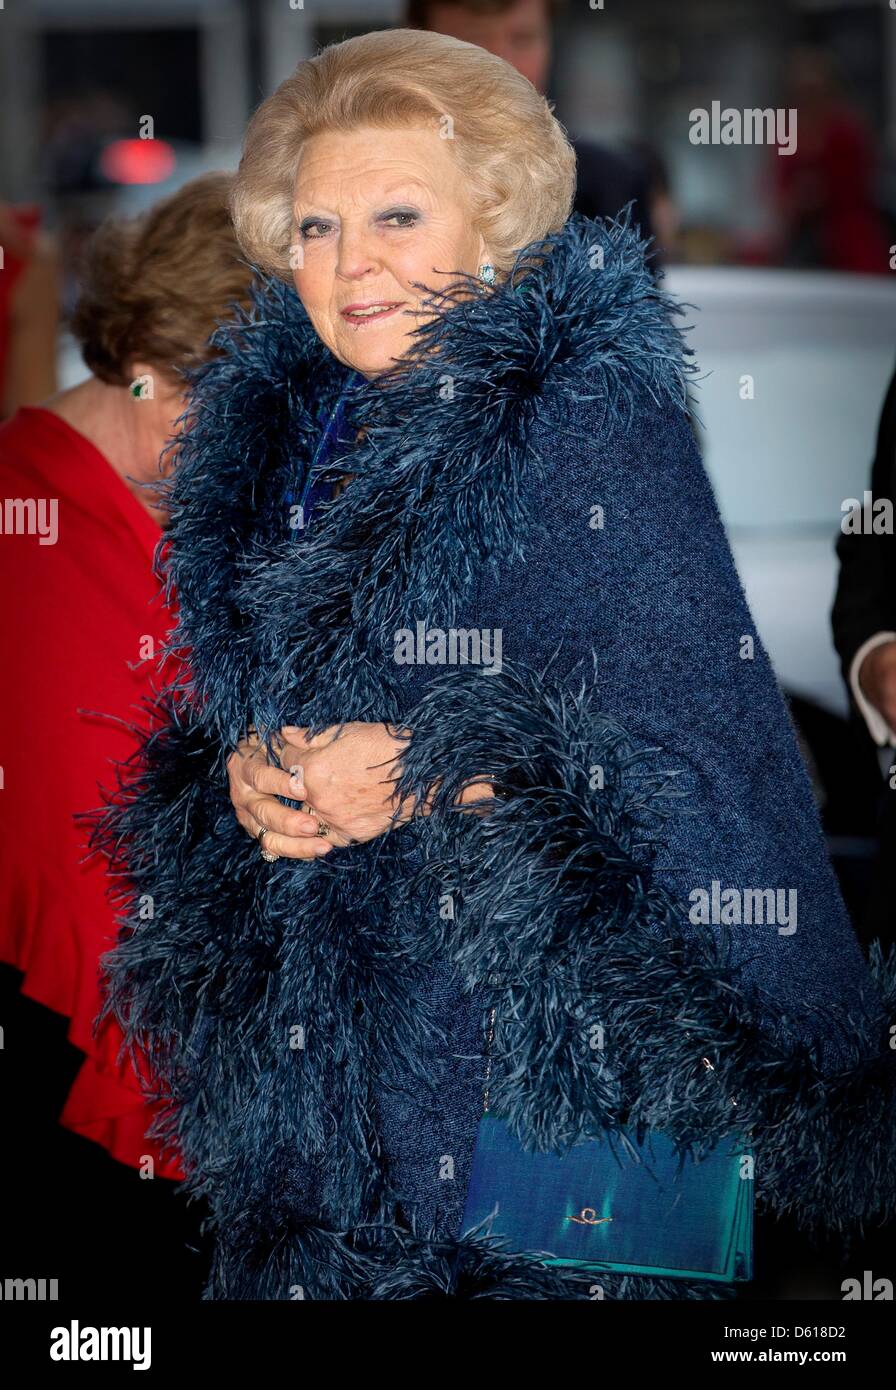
318	1028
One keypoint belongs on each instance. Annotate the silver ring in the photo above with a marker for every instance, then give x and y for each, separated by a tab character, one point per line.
267	855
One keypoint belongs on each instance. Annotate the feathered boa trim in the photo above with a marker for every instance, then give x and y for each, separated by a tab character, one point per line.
439	479
560	932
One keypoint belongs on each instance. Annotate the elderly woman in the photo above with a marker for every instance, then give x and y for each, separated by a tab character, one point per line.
460	621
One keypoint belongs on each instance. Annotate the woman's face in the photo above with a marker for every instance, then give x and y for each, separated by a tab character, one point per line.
376	210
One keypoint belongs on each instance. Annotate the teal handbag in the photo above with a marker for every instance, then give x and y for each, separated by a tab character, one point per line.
646	1212
646	1209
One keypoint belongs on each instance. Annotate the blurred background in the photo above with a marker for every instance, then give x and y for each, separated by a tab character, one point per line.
784	261
105	106
78	75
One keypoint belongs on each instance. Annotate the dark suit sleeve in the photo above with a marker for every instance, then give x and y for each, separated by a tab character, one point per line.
865	601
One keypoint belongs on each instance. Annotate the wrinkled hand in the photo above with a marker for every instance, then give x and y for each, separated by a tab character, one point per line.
346	774
877	677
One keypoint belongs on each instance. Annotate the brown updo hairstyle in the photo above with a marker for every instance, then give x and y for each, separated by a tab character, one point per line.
155	286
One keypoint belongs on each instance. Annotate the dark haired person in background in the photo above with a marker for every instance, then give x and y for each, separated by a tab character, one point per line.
519	31
82	632
864	623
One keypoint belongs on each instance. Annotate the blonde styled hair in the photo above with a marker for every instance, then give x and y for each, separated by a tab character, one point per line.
518	166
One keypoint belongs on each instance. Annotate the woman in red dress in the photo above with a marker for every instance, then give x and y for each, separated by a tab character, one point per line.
84	625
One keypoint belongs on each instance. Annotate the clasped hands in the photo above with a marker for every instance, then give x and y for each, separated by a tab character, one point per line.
347	773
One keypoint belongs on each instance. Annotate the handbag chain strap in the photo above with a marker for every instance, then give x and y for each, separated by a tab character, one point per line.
490	1037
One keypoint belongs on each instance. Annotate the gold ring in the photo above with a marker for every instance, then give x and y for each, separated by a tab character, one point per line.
322	828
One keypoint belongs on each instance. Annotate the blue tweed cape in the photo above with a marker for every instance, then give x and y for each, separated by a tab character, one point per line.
317	1030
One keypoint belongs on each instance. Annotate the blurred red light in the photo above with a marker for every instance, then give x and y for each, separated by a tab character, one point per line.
137	161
